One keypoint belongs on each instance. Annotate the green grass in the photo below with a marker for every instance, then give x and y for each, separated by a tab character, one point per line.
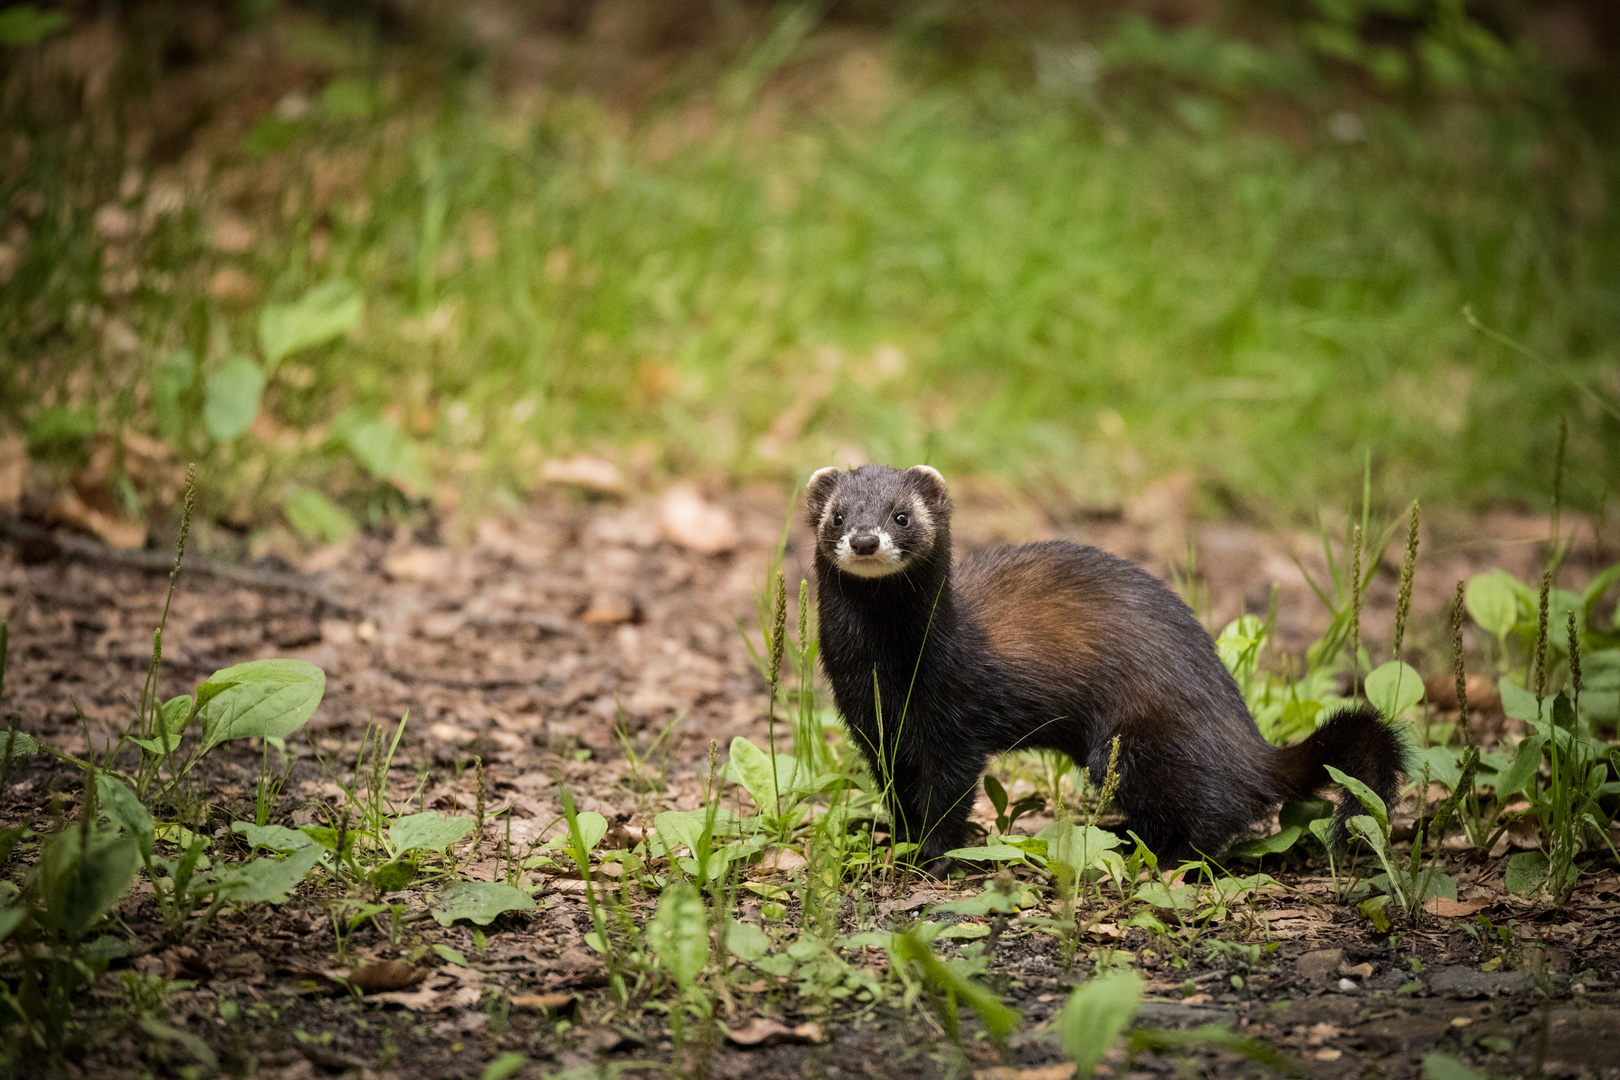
988	278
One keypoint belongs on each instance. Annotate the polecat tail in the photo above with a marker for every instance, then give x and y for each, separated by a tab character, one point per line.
1355	741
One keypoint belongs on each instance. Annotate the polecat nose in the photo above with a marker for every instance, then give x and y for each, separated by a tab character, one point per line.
863	545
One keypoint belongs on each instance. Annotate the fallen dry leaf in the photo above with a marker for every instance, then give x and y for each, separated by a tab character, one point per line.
610	607
762	1031
1061	1071
417	564
544	1002
384	975
69	509
1452	909
778	861
593	473
690	520
231	285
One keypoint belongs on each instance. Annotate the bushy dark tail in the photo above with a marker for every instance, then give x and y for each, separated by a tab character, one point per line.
1357	742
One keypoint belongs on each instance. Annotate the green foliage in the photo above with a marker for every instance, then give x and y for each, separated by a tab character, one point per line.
1095	1015
258	699
324	313
947	986
81	874
479	902
233	396
428	831
317	517
1393	688
679	934
25	24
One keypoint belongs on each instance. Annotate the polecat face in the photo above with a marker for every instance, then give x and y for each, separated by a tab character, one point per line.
875	520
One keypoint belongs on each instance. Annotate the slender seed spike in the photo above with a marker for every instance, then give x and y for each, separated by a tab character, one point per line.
778	628
1355	608
1574	657
480	805
1558	480
1403	602
1457	668
1541	634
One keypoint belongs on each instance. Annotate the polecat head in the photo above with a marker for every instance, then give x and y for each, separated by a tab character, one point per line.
875	521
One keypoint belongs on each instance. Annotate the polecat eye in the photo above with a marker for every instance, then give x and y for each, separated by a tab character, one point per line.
902	519
838	519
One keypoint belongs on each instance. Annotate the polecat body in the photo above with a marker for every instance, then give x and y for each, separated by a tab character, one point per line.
1051	645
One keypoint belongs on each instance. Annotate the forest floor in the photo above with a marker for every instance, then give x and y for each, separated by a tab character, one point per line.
523	646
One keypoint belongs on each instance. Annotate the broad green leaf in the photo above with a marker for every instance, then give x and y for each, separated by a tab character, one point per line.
231	400
21	744
1438	1066
175	714
989	853
428	831
386	452
1081	846
326	312
954	986
1593	594
317	517
1375	909
965	931
479	902
1240	641
261	698
1393	688
1366	827
1271	845
392	876
1302	812
269	879
504	1065
170	380
10	919
77	886
1437	884
1493	601
1365	795
1444	766
276	838
679	933
996	793
1526	872
1517	702
25	24
990	901
747	941
751	767
1095	1015
1526	762
451	956
124	808
1160	895
592	827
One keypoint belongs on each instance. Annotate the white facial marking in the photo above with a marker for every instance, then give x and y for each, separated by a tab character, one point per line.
888	559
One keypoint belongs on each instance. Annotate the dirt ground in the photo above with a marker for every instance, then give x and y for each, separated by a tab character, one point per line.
523	645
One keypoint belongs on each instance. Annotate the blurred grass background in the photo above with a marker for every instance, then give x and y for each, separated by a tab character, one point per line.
360	260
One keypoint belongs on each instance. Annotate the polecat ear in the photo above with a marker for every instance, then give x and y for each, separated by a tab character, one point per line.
931	482
817	490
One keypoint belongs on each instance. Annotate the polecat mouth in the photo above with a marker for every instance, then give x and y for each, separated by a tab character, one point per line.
887	559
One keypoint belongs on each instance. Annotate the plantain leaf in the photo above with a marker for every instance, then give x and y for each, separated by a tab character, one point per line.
327	311
231	399
258	699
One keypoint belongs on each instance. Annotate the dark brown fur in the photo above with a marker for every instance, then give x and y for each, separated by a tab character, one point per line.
1051	645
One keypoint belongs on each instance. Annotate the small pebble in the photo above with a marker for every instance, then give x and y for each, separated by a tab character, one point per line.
1346	986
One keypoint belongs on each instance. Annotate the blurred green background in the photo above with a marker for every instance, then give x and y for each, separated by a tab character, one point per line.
360	260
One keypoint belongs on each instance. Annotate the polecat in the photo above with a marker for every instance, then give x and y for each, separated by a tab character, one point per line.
1049	645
